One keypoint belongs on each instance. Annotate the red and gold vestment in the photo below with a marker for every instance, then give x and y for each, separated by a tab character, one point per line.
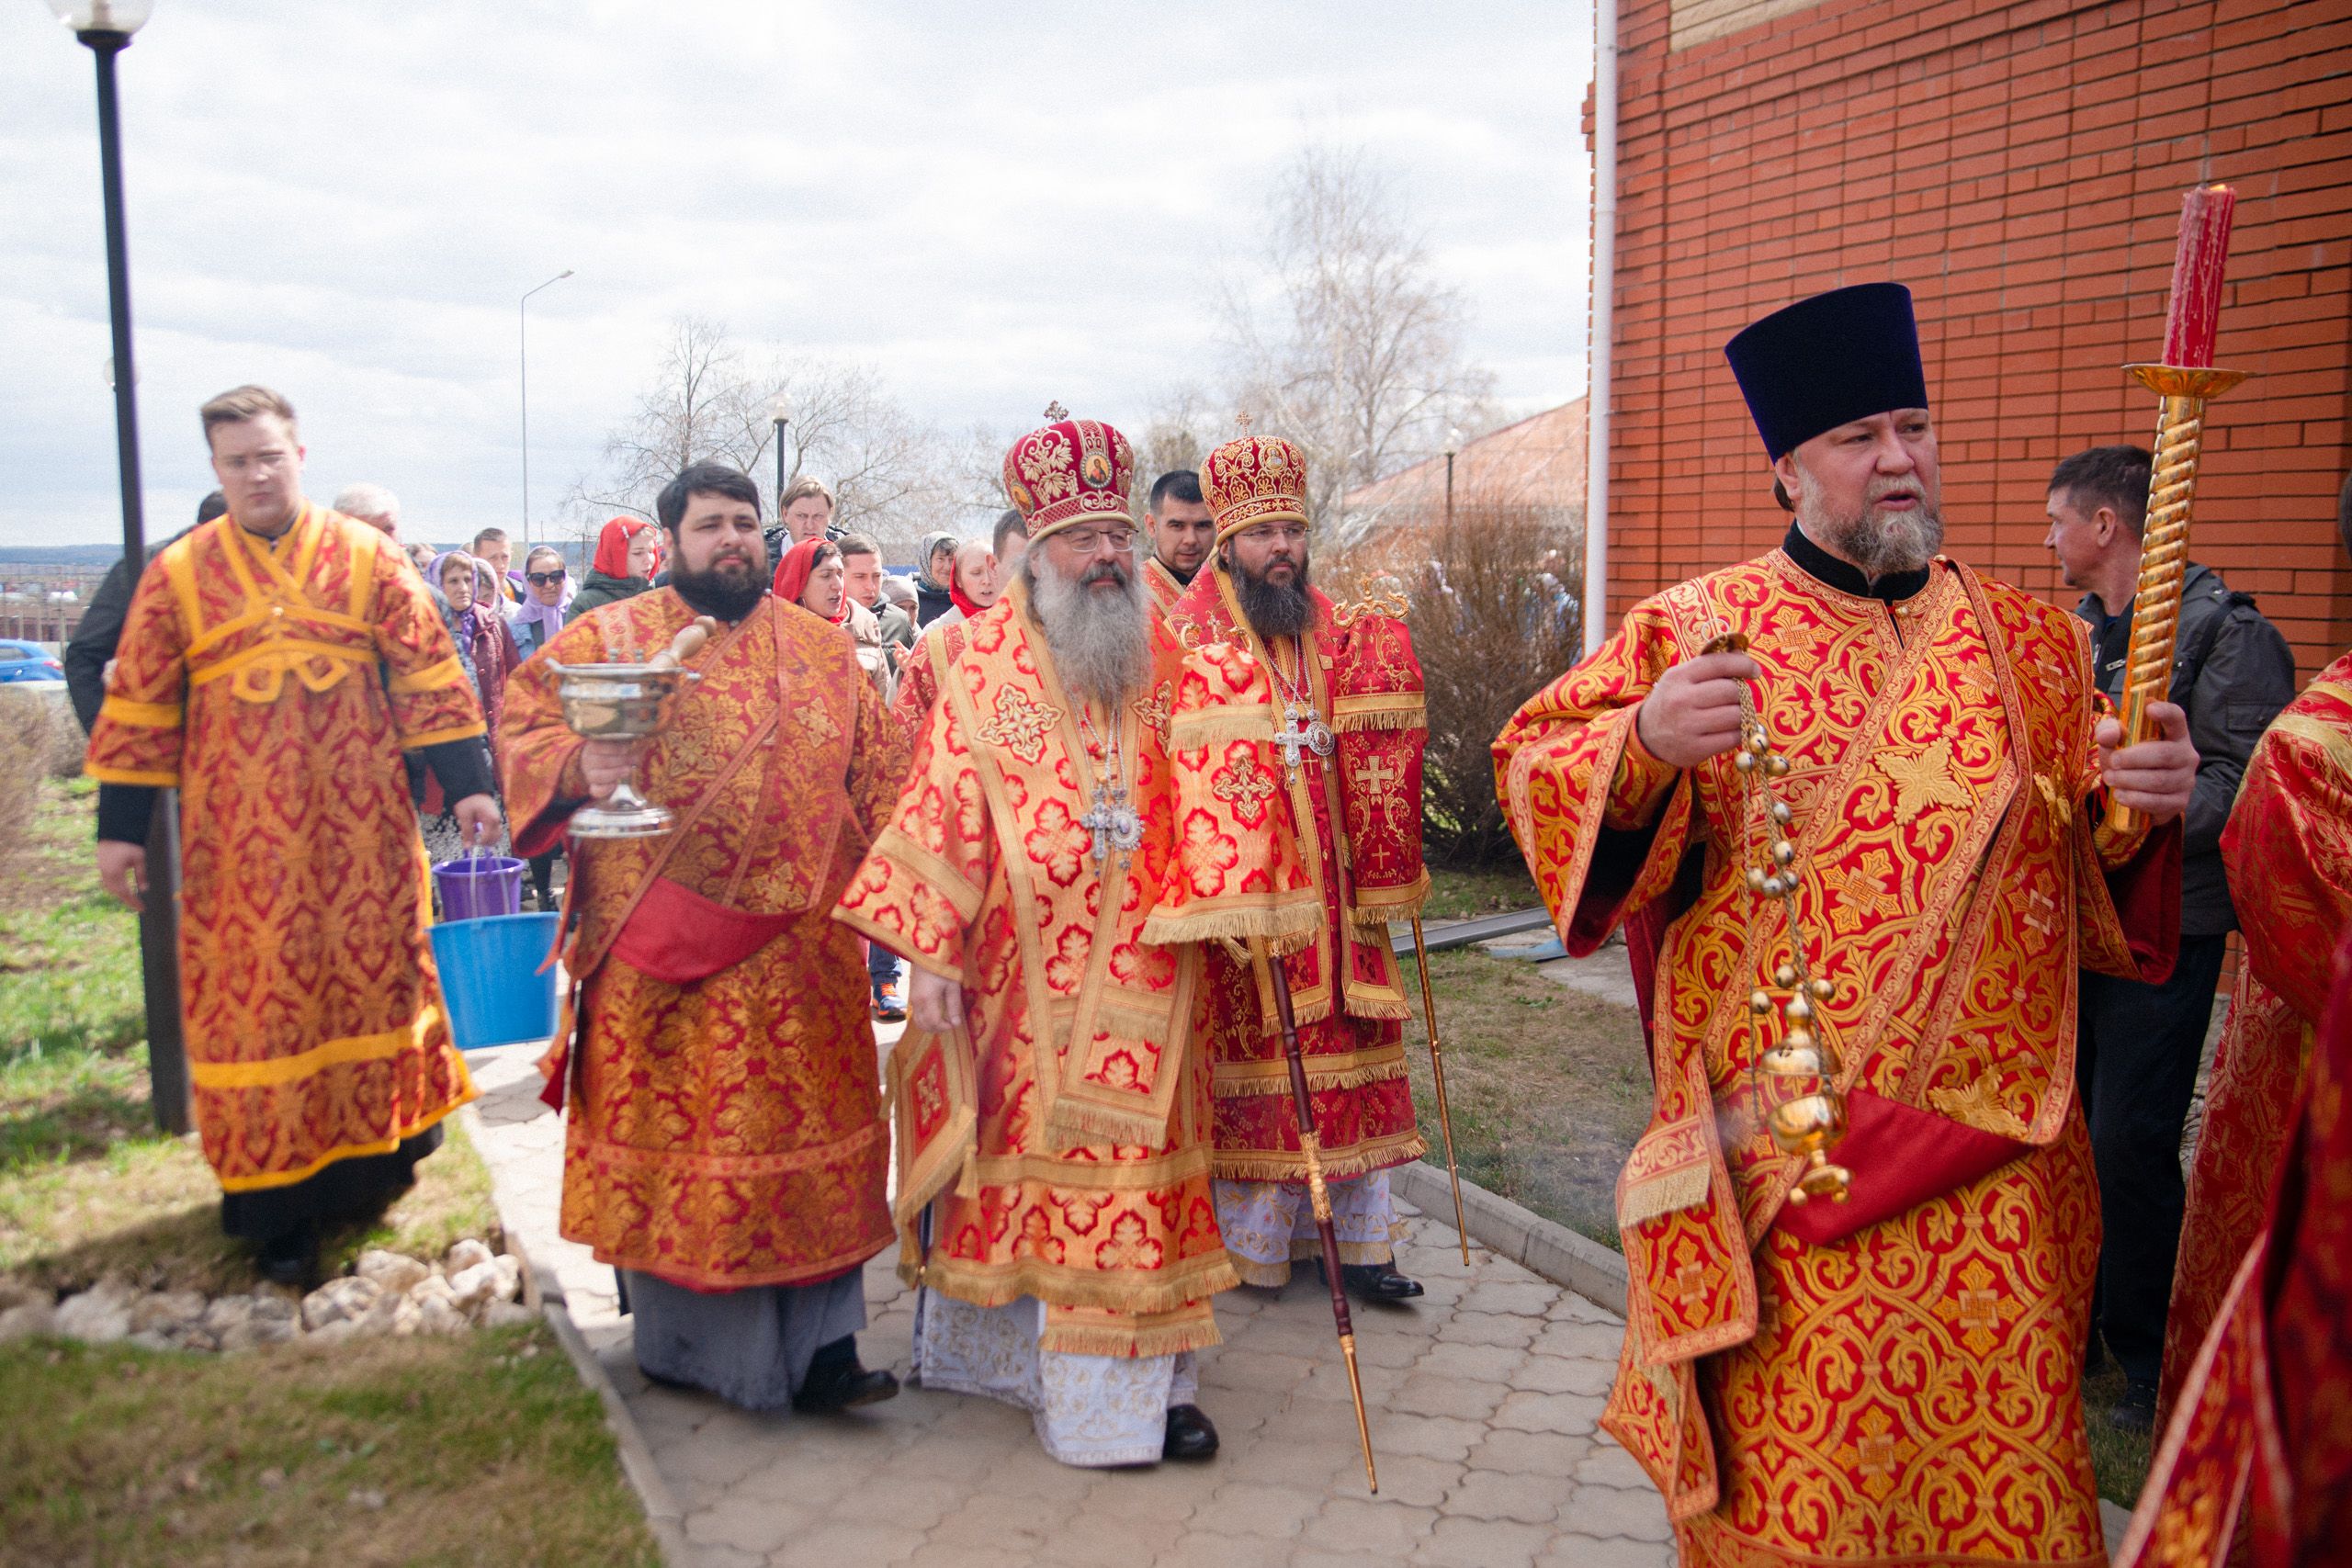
2288	847
1161	584
1892	1379
2256	1464
727	1127
1346	992
918	691
1087	1181
275	683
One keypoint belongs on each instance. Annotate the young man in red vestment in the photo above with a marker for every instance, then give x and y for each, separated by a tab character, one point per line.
1182	531
726	1146
1893	1378
276	666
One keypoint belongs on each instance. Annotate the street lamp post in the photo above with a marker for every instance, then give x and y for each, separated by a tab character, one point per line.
1453	449
523	348
779	415
104	28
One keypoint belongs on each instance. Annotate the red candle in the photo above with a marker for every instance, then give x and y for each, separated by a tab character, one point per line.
2196	267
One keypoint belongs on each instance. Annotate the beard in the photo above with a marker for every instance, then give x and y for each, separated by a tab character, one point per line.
1275	609
729	589
1101	641
1873	538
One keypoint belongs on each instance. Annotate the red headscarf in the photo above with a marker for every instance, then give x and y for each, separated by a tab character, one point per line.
612	547
800	564
956	587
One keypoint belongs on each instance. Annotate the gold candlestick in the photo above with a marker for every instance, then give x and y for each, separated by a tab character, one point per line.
2163	544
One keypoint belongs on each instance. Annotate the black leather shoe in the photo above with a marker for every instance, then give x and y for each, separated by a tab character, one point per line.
1189	1434
1377	1282
2136	1411
290	1257
835	1386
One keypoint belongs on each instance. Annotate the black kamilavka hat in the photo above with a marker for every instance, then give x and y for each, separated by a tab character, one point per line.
1821	362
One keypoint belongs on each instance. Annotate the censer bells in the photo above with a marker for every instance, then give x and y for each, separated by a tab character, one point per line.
628	702
1795	1081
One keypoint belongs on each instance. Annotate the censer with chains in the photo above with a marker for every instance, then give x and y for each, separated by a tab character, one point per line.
1803	1108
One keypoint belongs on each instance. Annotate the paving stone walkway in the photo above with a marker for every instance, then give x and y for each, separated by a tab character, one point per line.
1482	1398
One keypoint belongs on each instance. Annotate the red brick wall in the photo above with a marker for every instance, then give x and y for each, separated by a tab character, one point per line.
2019	166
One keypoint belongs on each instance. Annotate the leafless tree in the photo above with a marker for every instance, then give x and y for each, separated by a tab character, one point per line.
709	400
1347	344
1184	427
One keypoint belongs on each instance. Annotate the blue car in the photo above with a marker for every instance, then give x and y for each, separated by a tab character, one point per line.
28	661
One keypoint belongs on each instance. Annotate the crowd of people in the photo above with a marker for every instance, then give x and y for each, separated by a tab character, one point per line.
1135	806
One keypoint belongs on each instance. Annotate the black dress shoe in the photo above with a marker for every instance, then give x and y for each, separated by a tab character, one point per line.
2136	1411
290	1257
1377	1282
838	1385
1189	1434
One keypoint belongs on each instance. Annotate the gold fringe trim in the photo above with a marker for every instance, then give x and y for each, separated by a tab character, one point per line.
1265	1275
1665	1194
1344	1078
1238	1165
1227	721
1381	710
1062	1285
1360	1005
1167	1339
1135	1020
1374	908
1073	1123
1260	922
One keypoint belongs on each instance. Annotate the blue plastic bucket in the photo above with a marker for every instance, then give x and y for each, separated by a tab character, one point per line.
475	886
489	979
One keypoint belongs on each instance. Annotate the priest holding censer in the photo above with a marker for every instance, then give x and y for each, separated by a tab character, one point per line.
1880	802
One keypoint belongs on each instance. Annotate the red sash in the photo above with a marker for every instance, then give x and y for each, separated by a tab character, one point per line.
677	936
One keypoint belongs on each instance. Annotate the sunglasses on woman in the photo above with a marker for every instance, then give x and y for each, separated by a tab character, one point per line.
543	579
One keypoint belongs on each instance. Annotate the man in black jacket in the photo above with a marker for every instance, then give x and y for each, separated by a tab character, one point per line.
100	628
2138	1044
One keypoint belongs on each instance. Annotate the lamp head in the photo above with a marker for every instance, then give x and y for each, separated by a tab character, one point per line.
121	16
1452	441
780	409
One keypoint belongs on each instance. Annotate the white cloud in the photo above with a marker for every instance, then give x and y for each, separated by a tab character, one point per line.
995	205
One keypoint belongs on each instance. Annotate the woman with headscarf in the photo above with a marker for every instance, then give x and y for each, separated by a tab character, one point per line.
934	571
489	653
810	575
629	552
548	592
486	650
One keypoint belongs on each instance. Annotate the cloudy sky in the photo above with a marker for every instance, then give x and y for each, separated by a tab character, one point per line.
993	205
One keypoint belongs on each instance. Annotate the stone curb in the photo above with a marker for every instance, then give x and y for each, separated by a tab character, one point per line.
544	1290
1539	1246
1558	1254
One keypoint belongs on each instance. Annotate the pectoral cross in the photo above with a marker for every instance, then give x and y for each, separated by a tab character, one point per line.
1302	731
1112	824
1292	739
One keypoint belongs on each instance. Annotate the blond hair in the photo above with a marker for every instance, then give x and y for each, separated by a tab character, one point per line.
239	404
801	489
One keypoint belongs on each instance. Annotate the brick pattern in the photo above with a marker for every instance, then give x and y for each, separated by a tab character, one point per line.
1696	21
2018	163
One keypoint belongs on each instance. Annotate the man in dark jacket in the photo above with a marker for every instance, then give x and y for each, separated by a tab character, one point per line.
2138	1044
100	628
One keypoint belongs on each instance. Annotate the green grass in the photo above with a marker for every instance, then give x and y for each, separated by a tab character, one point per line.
1456	894
483	1449
88	1185
1547	1085
2119	1459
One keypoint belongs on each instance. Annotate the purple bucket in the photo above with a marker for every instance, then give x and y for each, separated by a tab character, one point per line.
474	887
